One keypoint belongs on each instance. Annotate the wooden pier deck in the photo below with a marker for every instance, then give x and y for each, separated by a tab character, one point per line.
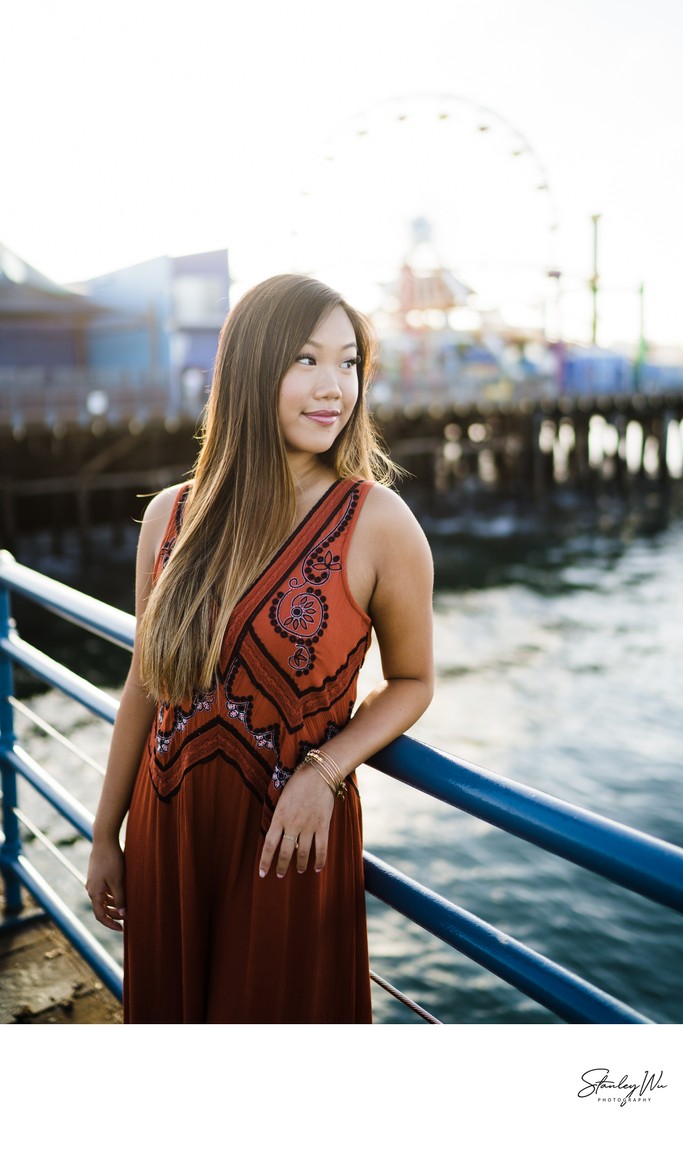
43	980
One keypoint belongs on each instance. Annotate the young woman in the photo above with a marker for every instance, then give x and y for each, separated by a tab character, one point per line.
234	751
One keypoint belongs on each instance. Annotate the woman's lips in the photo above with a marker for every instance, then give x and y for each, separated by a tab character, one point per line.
325	418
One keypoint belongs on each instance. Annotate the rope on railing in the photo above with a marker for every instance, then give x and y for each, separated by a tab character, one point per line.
560	991
636	861
403	998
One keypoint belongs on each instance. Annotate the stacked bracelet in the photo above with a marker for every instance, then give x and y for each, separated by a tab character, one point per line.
328	770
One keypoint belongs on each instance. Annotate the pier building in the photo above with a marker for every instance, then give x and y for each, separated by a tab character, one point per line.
102	388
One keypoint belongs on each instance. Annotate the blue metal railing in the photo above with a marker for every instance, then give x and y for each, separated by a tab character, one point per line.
636	861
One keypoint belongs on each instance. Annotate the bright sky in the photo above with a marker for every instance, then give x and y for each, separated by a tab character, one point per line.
155	127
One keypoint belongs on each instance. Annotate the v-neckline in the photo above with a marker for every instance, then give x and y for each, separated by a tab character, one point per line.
293	535
281	556
306	519
312	510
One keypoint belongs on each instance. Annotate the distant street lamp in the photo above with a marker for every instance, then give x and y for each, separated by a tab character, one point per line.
556	333
642	344
594	279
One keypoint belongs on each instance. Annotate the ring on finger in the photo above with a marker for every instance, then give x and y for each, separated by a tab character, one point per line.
294	838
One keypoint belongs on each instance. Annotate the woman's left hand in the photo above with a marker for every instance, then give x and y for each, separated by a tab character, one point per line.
302	815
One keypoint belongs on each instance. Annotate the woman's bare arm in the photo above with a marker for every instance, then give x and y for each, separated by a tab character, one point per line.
399	565
105	881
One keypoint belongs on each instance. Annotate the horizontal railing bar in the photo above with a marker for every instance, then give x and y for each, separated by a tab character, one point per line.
52	672
564	993
100	618
50	846
87	946
26	766
54	734
637	861
630	858
404	999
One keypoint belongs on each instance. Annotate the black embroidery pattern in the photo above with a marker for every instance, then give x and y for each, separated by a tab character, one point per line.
239	708
304	746
301	613
200	702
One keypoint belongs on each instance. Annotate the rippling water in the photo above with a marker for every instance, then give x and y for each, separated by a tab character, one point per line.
558	659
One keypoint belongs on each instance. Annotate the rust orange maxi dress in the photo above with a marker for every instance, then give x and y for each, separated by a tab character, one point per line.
206	939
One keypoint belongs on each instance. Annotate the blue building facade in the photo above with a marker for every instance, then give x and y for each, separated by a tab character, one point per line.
42	324
162	318
158	320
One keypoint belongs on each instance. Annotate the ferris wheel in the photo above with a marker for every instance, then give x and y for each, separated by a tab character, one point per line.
439	162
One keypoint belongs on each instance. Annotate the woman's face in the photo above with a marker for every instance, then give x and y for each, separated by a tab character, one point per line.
319	392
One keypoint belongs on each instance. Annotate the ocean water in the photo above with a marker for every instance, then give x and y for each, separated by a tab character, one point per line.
558	655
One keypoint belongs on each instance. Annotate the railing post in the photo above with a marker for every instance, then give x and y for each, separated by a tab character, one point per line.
10	848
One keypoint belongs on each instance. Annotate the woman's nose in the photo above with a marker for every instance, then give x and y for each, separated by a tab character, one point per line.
329	382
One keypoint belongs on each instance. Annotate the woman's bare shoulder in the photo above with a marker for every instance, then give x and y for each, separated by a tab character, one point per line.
160	506
398	556
156	517
384	511
391	539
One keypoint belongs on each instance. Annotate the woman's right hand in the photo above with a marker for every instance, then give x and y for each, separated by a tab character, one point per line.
105	884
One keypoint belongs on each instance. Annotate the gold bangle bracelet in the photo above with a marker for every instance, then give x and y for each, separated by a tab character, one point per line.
328	770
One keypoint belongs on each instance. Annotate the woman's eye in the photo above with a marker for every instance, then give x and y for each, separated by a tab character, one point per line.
307	359
353	362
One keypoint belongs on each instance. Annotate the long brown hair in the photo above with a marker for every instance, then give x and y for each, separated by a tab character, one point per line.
242	503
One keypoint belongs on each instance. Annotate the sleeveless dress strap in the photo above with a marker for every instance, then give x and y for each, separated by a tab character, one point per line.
171	533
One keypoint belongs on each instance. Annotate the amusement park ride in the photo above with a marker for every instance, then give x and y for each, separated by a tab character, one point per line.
436	343
475	375
474	300
479	303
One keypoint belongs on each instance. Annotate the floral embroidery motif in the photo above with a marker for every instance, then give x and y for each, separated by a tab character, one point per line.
295	612
281	776
265	738
298	607
303	613
300	614
240	708
331	729
180	719
324	564
301	659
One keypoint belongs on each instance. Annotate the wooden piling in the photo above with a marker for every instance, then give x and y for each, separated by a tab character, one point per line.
75	478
